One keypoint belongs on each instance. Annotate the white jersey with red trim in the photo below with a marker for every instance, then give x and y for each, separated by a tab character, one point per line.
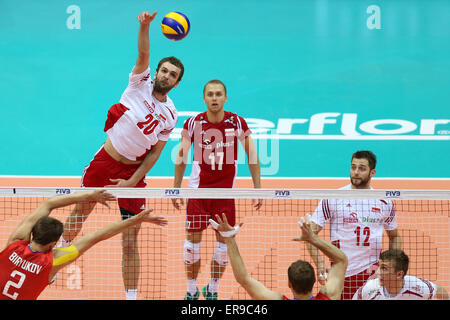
140	120
356	227
215	149
413	289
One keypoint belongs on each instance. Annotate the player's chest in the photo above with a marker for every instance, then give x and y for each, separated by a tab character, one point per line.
215	136
360	212
149	116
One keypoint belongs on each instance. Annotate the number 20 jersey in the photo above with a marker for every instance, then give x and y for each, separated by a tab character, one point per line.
139	121
356	227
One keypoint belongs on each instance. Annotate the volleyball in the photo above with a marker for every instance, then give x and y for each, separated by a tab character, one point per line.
175	26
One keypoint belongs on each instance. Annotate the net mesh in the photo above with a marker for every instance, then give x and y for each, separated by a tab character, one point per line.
265	241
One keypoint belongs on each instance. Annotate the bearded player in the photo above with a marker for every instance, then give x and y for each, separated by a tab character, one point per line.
138	128
356	227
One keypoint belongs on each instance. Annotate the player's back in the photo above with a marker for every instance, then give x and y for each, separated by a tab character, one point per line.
24	273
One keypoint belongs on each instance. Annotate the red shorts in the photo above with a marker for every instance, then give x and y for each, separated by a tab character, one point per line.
102	168
199	211
353	283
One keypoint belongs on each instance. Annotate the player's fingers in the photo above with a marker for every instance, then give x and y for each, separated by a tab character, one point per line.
218	219
308	218
224	217
146	212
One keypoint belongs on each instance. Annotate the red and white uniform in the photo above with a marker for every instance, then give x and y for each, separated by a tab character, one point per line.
214	164
23	273
134	125
139	121
413	289
356	227
215	149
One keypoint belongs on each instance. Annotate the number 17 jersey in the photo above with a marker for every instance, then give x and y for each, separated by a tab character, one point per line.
215	149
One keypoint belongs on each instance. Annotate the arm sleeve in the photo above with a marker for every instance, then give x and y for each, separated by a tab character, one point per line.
323	213
243	130
70	254
139	79
390	223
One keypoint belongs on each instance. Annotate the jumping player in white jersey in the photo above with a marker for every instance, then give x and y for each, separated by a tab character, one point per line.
393	283
137	129
214	135
356	227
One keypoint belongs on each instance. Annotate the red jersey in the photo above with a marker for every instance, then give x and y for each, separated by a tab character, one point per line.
319	296
24	274
215	149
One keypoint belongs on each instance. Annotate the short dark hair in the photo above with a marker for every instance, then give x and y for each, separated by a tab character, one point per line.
400	259
302	276
47	230
176	62
366	154
215	81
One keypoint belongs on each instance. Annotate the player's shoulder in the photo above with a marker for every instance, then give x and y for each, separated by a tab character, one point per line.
198	117
419	285
369	290
168	108
17	243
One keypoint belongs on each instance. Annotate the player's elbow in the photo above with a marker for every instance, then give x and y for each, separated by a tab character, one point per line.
342	259
243	279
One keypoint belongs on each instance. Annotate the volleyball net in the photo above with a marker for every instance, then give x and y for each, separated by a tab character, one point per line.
265	240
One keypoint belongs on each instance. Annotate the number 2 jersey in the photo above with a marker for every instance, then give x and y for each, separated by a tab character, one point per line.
215	149
23	273
139	121
356	227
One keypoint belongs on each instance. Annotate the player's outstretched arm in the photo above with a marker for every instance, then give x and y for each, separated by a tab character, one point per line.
253	287
321	268
253	167
335	280
144	18
148	163
65	256
23	231
180	168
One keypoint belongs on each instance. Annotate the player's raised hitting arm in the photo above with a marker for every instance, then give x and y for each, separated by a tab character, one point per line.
142	63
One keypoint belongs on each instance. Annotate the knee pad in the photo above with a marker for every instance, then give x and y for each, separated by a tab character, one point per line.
191	252
221	254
